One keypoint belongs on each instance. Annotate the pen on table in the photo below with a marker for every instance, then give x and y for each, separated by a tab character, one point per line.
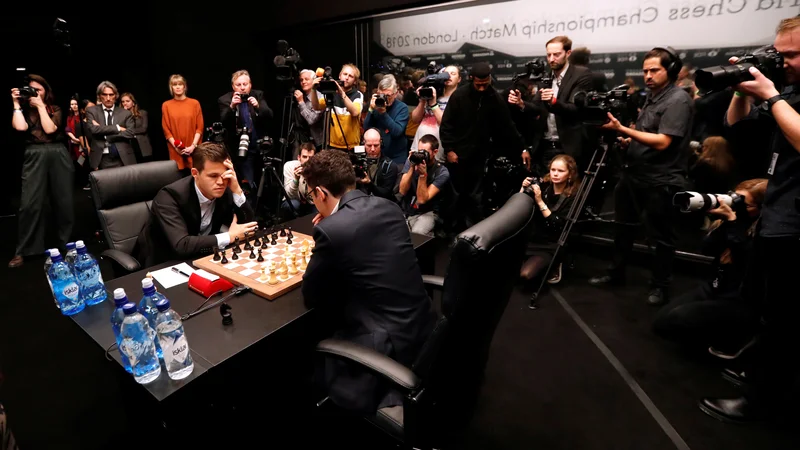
176	270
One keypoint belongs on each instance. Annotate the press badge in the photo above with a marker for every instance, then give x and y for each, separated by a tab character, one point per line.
771	170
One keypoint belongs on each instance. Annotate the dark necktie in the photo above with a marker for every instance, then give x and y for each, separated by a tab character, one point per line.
110	121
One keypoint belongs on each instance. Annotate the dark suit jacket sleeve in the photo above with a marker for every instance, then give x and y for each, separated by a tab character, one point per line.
505	128
384	185
264	111
167	215
319	281
564	107
142	124
226	115
129	124
450	122
244	213
99	130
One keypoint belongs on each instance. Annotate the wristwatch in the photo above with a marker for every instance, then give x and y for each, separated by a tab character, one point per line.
772	100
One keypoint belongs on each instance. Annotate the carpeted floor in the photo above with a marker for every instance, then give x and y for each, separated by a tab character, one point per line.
547	385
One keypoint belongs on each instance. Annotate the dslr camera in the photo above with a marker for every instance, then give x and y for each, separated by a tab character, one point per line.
265	145
419	157
431	82
244	142
594	106
215	133
243	96
717	78
360	163
534	73
26	92
380	101
689	201
535	181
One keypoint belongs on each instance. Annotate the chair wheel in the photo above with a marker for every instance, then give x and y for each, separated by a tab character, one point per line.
534	304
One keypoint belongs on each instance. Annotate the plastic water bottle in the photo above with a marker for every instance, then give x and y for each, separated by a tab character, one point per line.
147	306
71	254
88	274
65	286
48	263
120	299
169	328
138	344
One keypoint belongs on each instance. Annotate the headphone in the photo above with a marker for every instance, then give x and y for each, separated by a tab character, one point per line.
675	63
379	134
385	164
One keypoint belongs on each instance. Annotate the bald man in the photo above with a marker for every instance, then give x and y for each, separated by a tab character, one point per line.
381	174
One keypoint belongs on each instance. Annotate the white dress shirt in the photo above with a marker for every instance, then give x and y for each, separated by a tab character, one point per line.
207	212
105	121
552	130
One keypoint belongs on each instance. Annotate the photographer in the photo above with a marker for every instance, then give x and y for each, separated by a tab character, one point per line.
655	168
529	119
388	113
311	121
778	233
429	113
421	185
47	168
554	197
381	172
244	108
294	183
346	116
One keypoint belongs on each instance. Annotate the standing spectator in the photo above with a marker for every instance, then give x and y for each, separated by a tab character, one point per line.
390	117
182	121
128	102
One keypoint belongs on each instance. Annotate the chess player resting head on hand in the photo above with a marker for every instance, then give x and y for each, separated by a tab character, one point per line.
213	171
329	175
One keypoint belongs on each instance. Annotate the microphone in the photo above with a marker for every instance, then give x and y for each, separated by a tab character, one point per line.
320	72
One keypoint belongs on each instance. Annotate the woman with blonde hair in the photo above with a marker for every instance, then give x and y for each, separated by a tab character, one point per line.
128	101
182	122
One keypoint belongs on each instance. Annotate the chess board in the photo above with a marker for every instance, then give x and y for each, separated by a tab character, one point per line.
247	271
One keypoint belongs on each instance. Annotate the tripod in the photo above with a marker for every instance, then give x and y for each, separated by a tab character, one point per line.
328	121
269	167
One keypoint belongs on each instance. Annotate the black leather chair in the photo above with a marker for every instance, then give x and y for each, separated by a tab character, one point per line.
122	197
484	264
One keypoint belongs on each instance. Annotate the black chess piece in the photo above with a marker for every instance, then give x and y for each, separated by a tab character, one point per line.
216	254
224	258
225	312
235	256
252	253
283	232
290	233
236	248
260	256
289	240
274	239
256	242
247	245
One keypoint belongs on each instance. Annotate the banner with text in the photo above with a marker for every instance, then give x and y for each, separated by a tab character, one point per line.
522	27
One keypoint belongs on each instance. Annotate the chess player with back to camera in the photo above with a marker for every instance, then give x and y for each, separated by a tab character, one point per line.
365	276
197	213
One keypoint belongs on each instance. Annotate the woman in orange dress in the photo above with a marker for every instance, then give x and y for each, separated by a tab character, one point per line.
182	121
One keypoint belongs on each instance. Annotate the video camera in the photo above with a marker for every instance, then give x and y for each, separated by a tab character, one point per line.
215	133
326	86
593	106
286	62
689	201
431	82
534	73
717	78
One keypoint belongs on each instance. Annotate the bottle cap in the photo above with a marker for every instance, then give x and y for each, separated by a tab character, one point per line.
147	283
120	299
119	293
70	245
162	305
54	252
129	309
79	244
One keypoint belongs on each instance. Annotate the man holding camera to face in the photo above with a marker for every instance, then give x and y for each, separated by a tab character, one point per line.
421	185
345	123
656	161
760	103
244	111
390	116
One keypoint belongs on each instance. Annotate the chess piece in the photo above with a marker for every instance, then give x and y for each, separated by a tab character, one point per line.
274	239
225	312
303	264
292	265
257	242
263	276
235	256
289	233
247	245
216	254
289	240
283	270
253	252
236	244
283	232
224	258
260	256
272	278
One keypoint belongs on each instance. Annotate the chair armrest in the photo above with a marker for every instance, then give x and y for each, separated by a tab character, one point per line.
399	375
125	260
433	280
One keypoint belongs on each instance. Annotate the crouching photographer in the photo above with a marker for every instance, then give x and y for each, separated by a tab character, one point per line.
554	197
421	186
714	313
375	173
757	98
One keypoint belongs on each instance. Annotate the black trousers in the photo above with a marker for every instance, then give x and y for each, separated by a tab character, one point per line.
652	205
47	173
701	317
467	178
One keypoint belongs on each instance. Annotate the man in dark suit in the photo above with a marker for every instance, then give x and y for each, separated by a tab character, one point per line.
565	132
111	127
244	108
195	214
365	274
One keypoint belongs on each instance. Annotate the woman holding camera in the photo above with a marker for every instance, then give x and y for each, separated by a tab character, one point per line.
714	313
182	121
128	101
554	197
47	168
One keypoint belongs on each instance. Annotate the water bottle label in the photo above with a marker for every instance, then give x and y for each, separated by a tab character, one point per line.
71	291
176	351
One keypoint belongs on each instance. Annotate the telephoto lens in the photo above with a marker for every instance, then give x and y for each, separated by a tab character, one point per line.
244	144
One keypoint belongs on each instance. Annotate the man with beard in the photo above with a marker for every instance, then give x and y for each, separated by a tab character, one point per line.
345	124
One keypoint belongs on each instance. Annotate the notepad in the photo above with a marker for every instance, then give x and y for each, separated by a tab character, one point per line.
168	278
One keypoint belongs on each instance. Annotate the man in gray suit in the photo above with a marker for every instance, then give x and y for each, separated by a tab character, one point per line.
112	130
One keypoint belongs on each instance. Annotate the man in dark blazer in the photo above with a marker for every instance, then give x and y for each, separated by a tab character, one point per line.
197	213
565	133
364	274
244	107
111	127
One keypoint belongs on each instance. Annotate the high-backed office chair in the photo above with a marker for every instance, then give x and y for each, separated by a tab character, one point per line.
122	197
484	264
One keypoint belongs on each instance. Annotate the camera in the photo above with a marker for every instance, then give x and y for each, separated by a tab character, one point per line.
689	201
380	101
431	82
243	96
418	157
534	73
244	143
286	62
264	145
594	106
327	86
717	78
26	92
215	133
360	164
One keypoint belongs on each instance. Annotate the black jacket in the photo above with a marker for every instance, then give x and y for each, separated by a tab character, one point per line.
232	122
173	229
364	275
385	180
